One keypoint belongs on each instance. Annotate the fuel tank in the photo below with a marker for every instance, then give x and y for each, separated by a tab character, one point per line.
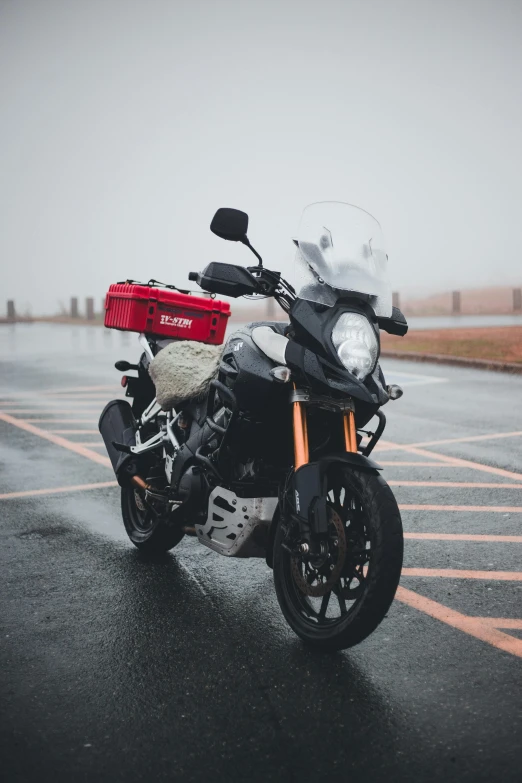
246	370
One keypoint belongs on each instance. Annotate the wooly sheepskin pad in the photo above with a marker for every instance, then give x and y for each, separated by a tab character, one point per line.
183	371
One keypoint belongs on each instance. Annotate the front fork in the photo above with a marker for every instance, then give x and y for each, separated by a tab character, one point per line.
301	449
309	485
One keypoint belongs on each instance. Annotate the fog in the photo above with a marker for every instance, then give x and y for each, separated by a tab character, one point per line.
124	125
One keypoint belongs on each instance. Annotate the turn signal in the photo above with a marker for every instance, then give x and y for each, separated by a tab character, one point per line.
394	391
281	374
124	380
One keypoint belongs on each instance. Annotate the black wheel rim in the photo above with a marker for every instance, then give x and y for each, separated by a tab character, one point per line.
143	520
338	603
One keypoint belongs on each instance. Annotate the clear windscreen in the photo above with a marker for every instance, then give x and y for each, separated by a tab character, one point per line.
341	249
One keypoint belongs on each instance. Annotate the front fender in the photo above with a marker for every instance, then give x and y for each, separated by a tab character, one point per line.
352	459
308	486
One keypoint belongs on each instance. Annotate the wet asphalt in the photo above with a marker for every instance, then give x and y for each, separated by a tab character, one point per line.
114	667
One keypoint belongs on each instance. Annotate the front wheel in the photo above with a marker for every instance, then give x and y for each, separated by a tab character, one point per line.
336	600
147	531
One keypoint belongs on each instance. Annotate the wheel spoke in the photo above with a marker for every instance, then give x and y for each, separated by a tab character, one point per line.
324	606
349	584
340	600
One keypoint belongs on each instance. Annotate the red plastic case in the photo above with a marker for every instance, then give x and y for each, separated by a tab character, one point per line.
163	312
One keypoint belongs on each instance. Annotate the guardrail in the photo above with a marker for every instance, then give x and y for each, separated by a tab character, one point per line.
90	314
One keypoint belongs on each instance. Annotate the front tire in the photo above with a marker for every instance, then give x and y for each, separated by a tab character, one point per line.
149	533
364	505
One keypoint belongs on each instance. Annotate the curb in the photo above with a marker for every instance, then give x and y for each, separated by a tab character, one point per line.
459	361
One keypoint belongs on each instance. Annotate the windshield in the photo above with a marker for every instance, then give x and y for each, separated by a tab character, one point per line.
341	248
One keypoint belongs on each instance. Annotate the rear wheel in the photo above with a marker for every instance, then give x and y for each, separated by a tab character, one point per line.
336	600
147	531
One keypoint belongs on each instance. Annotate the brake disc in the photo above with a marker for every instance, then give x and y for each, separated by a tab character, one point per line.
311	581
139	501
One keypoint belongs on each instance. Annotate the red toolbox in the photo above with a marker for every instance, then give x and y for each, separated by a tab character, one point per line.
164	312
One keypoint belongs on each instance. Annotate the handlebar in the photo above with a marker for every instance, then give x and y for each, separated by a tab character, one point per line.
235	281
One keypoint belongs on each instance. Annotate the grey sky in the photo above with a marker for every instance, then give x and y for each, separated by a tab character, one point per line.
125	124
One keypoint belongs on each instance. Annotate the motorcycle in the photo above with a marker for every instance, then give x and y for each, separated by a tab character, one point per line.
259	448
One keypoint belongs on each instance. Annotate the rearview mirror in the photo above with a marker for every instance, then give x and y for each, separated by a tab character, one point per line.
230	224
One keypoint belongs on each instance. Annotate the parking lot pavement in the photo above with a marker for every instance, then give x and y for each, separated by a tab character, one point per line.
117	668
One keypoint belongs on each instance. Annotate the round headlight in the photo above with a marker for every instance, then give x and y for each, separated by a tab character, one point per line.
356	344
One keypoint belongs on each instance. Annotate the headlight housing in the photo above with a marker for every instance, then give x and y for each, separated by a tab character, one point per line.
356	344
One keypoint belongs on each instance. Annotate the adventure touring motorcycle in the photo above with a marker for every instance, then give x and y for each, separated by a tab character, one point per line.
257	448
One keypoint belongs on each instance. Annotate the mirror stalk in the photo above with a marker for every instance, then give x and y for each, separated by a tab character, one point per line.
246	242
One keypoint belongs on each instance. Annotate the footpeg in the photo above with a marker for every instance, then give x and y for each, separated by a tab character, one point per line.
121	447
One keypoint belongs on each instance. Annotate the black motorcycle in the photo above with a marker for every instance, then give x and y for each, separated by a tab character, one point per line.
259	449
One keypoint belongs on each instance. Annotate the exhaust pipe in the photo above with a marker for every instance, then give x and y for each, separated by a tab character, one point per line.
140	483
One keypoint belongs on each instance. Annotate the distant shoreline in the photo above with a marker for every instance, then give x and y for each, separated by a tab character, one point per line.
416	322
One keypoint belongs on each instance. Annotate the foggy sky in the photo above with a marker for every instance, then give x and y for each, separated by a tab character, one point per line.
126	124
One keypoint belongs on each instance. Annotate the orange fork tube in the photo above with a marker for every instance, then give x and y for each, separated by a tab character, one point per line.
301	453
350	437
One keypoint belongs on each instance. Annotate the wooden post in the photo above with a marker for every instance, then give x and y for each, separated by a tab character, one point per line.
89	308
11	312
455	304
396	300
74	307
517	299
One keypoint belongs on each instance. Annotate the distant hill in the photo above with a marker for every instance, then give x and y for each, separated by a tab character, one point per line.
474	301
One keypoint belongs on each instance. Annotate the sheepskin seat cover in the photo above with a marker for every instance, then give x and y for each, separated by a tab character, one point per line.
183	371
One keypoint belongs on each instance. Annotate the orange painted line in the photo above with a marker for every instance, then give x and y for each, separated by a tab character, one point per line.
57	490
464	537
75	432
493	509
60	421
455	573
41	411
502	622
92	444
73	390
27	395
462	463
84	399
419	464
94	397
473	626
464	484
56	439
386	446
